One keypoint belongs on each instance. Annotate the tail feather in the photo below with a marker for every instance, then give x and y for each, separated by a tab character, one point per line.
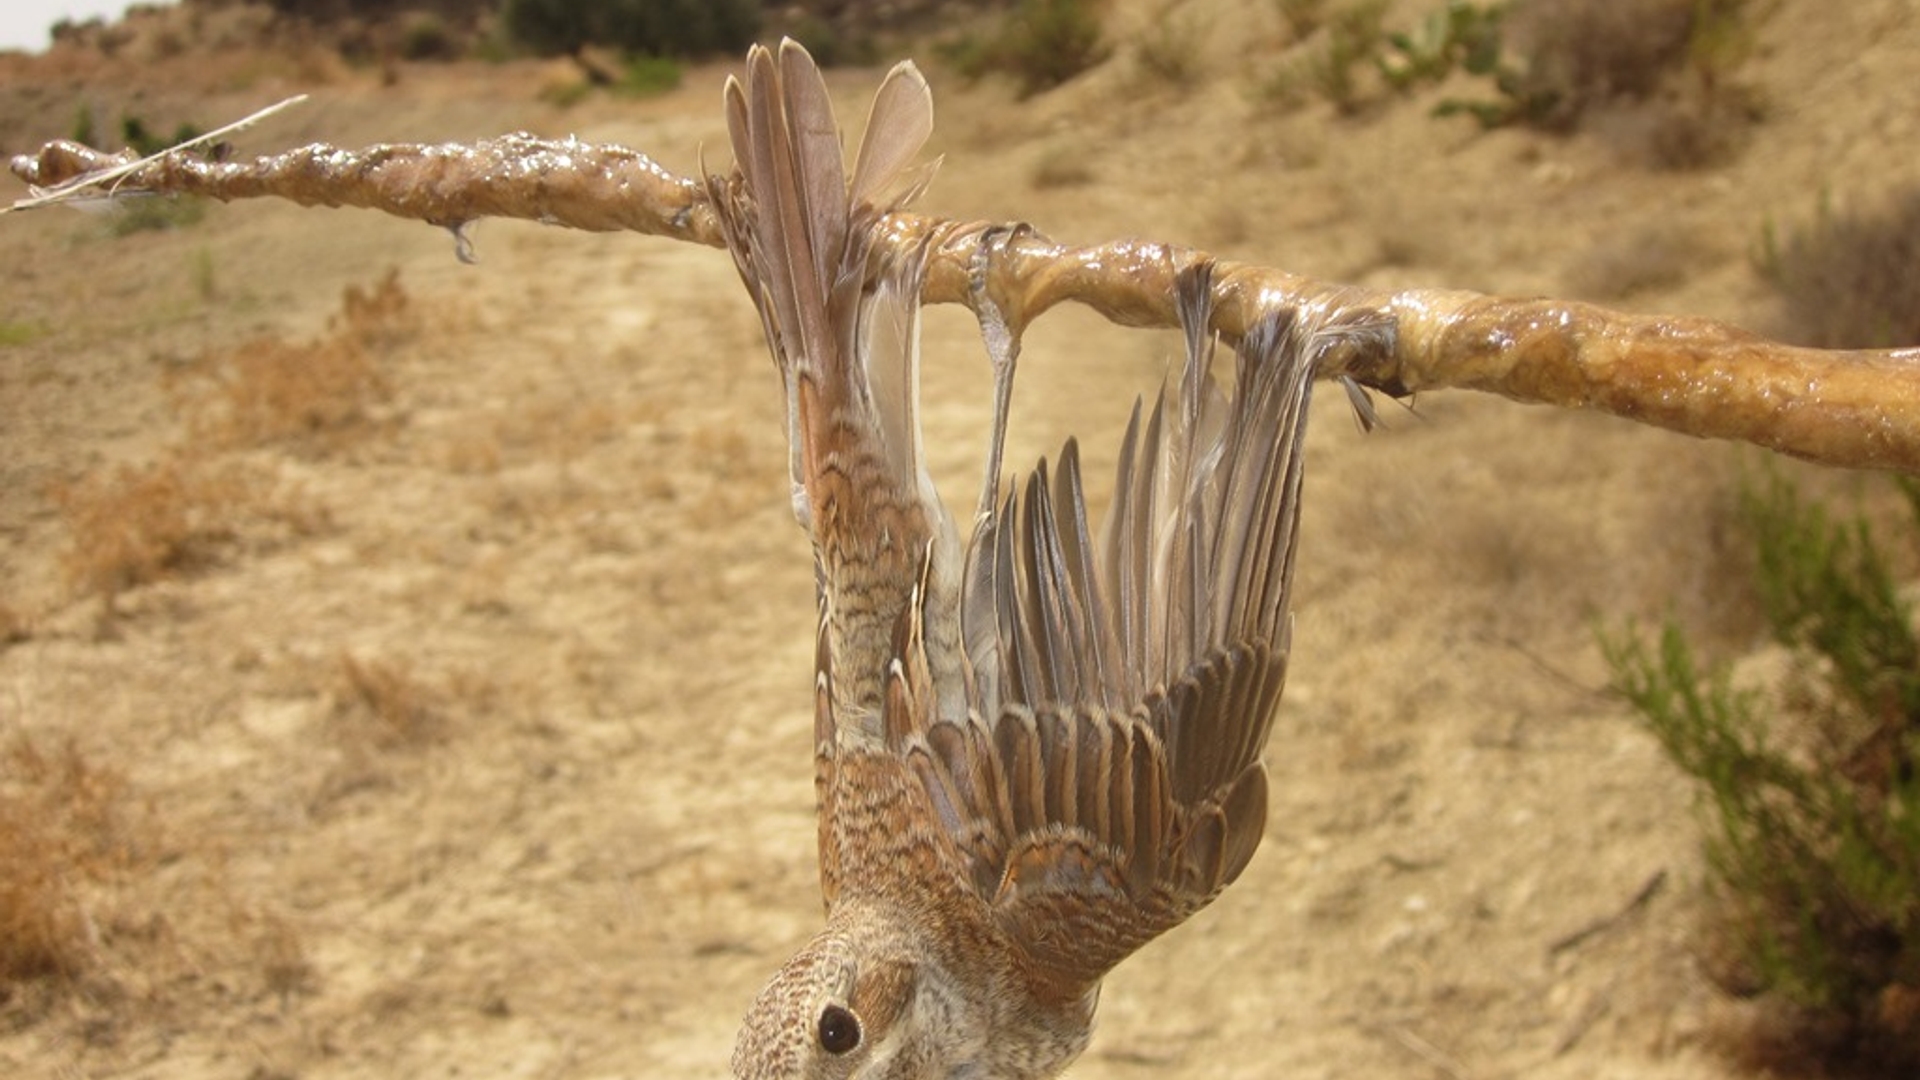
844	333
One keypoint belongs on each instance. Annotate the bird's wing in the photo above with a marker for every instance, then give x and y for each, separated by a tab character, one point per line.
1106	782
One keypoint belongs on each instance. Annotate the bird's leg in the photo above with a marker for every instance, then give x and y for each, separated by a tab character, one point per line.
1002	338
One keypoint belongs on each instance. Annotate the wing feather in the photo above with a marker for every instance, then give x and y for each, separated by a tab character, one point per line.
1127	686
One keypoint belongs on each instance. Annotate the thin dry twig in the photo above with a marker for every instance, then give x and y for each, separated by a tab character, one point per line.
1696	376
1641	898
1434	1057
96	175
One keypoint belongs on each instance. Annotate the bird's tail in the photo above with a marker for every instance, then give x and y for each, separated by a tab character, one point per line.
845	337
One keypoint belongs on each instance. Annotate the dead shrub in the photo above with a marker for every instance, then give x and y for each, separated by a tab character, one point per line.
1588	52
136	524
1847	280
63	824
269	391
133	525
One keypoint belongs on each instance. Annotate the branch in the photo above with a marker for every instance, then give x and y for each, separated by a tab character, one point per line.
1695	376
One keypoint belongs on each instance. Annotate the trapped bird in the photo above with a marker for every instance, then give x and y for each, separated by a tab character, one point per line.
1037	751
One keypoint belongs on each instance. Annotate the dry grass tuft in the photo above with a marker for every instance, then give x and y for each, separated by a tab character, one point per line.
275	392
137	524
389	703
134	525
63	824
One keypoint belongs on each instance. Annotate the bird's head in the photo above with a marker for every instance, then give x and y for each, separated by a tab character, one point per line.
861	1005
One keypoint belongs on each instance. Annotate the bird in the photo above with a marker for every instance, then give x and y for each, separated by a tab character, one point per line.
1040	748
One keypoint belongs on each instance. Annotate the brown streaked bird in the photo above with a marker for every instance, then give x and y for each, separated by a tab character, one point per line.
1039	751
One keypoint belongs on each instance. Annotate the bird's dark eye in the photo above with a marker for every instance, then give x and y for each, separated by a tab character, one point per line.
839	1030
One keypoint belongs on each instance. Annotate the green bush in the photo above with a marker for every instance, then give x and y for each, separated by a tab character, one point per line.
1812	806
144	141
646	76
1041	43
1335	58
654	27
1547	62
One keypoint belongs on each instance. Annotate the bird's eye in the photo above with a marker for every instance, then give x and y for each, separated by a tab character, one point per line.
839	1030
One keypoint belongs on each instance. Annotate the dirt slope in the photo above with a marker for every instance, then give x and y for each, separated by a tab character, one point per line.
469	737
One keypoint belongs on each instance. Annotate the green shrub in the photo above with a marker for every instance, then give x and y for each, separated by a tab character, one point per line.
645	76
1813	808
1334	62
1849	281
1041	43
1547	63
144	141
653	27
84	132
1458	35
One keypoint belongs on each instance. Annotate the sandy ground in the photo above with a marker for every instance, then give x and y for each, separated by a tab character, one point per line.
473	739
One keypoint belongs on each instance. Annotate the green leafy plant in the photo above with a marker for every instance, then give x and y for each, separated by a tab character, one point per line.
1459	35
1547	62
144	140
84	130
1333	63
646	76
1470	38
1812	806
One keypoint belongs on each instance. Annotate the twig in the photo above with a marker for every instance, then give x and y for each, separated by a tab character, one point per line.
1702	378
1601	925
1433	1056
1590	1014
81	186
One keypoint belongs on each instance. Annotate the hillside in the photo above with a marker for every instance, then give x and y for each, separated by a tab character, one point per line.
418	686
